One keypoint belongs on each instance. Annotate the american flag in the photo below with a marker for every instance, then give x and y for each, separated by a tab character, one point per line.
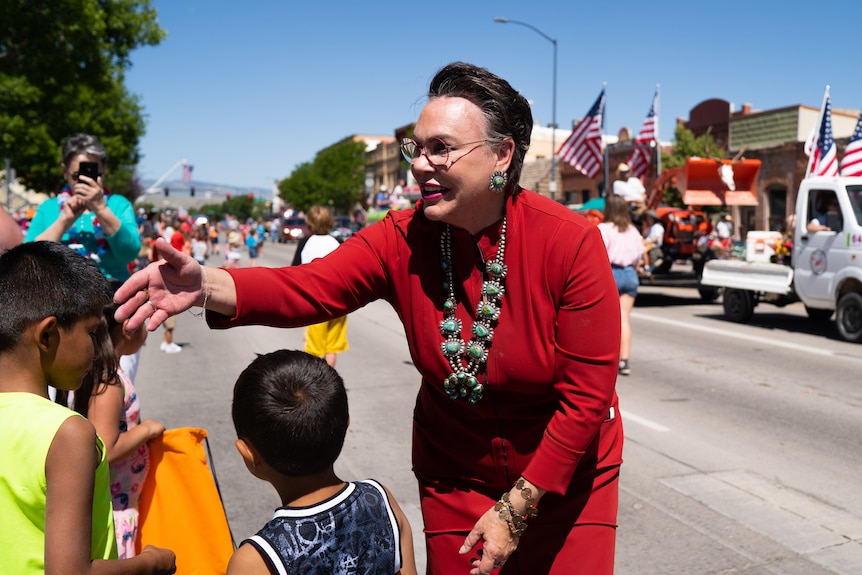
583	149
851	163
825	161
187	173
640	159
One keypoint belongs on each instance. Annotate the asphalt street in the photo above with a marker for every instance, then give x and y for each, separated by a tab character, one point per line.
741	441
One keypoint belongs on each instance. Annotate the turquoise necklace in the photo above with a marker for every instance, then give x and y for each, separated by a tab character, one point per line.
462	381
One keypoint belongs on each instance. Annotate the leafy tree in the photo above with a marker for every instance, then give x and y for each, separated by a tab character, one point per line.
62	66
335	177
241	207
302	188
686	145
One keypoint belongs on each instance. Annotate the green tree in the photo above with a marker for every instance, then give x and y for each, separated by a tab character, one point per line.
62	71
302	188
686	145
335	177
241	206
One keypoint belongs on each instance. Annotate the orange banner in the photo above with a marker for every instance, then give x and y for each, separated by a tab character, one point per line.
180	508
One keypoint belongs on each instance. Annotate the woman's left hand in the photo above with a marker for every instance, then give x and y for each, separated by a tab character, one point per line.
160	290
498	543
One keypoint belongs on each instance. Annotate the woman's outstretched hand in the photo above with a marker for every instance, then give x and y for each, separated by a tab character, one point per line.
498	543
162	289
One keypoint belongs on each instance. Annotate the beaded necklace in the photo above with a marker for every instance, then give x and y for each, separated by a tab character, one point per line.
462	381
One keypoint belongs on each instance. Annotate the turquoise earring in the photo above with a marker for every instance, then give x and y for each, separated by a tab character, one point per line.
498	181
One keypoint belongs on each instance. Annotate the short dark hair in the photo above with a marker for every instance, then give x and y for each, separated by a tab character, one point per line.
292	407
43	279
507	112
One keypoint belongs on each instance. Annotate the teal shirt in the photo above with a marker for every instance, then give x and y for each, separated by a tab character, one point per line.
111	253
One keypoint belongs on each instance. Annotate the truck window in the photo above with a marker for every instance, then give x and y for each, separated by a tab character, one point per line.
824	210
855	195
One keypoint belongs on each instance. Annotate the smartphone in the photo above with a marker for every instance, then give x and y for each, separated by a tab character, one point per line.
89	169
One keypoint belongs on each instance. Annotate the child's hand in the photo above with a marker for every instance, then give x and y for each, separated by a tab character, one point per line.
162	561
154	428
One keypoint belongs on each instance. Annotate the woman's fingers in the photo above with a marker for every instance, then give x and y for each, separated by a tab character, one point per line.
157	318
134	295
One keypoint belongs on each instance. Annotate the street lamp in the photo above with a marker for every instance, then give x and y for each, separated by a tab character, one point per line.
552	187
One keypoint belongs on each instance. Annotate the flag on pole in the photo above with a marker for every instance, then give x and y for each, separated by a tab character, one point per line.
187	173
641	158
583	149
825	161
851	163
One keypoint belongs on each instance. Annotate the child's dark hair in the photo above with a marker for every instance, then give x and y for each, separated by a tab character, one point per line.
292	407
44	279
105	364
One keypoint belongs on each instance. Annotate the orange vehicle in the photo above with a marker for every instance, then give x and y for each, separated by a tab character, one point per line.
702	182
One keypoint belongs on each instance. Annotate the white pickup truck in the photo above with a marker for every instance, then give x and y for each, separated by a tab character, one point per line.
825	270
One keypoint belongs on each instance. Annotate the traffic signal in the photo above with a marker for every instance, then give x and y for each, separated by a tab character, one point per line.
192	191
167	192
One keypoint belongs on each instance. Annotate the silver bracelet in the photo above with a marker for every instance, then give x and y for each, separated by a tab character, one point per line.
206	285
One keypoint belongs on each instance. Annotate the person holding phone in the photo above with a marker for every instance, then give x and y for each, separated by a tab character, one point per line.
85	216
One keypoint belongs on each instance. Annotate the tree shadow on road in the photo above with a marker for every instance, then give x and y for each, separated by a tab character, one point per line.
765	316
787	322
667	299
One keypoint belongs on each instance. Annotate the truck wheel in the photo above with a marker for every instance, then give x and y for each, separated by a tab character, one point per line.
738	305
848	317
818	314
709	293
664	266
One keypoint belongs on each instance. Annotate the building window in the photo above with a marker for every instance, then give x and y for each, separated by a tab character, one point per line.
777	207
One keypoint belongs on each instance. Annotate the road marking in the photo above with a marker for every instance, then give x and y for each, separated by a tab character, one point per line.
754	338
629	416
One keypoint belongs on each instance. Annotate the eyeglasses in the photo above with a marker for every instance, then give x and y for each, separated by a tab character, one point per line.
436	151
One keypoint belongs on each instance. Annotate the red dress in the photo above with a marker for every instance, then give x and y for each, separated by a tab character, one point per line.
549	410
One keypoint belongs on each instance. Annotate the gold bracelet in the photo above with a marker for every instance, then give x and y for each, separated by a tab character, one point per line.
513	521
527	495
517	522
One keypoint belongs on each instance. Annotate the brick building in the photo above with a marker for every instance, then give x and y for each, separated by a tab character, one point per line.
775	137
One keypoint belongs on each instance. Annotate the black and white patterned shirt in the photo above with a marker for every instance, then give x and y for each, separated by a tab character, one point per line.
352	533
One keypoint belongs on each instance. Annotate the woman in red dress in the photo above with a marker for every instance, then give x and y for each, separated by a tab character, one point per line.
512	319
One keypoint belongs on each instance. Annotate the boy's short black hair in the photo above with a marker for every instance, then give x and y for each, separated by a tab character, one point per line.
292	407
43	279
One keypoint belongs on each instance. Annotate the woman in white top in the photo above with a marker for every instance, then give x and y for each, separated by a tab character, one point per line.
625	251
330	337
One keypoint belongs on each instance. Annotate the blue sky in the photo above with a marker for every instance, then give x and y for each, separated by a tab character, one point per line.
245	91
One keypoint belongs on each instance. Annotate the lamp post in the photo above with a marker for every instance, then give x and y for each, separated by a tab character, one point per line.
552	187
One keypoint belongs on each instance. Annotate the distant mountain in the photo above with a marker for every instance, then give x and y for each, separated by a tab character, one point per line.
203	189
